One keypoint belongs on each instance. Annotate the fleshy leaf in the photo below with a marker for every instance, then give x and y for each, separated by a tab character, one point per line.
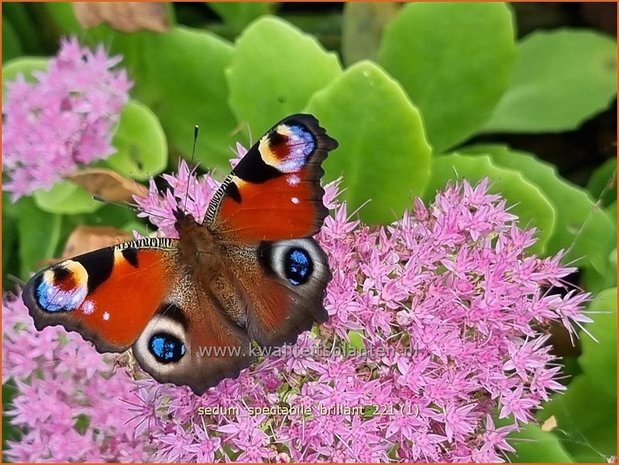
383	154
140	142
527	200
66	197
22	65
581	227
534	446
561	78
237	15
180	75
274	71
363	24
39	235
587	420
599	359
11	47
603	182
454	60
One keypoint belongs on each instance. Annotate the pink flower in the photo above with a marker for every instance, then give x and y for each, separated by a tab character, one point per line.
64	120
451	309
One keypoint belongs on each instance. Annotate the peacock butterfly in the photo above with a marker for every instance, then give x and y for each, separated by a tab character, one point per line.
250	272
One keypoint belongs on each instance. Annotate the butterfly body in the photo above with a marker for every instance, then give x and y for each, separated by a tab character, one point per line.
190	308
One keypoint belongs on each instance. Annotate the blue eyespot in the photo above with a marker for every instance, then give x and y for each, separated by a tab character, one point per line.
53	294
298	266
303	140
166	348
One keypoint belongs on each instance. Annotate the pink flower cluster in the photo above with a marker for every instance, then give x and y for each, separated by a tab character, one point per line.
64	120
438	325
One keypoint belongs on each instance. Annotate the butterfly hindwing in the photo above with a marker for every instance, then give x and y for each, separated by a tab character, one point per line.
284	283
190	341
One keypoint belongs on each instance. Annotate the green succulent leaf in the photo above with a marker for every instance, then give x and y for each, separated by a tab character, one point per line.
180	76
10	243
356	340
237	15
11	47
39	235
454	60
66	197
363	24
599	356
274	71
536	446
603	182
383	154
140	143
22	65
586	413
525	198
582	227
586	421
24	26
561	78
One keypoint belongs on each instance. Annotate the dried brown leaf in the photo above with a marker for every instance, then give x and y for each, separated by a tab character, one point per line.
123	16
549	424
88	238
108	184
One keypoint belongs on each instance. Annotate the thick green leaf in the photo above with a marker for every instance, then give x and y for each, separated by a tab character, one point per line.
237	15
561	79
383	154
599	359
356	340
603	182
527	200
63	17
454	60
179	75
10	245
586	420
534	446
39	235
581	226
587	413
594	282
362	29
23	65
66	197
140	143
11	47
274	71
30	37
9	432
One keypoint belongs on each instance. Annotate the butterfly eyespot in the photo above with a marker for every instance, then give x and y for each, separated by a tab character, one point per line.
62	288
166	348
298	266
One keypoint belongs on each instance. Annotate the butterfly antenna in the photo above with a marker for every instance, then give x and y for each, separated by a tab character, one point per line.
196	131
98	198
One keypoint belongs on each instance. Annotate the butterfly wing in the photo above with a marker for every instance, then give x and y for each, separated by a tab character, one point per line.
274	192
138	295
264	213
284	283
